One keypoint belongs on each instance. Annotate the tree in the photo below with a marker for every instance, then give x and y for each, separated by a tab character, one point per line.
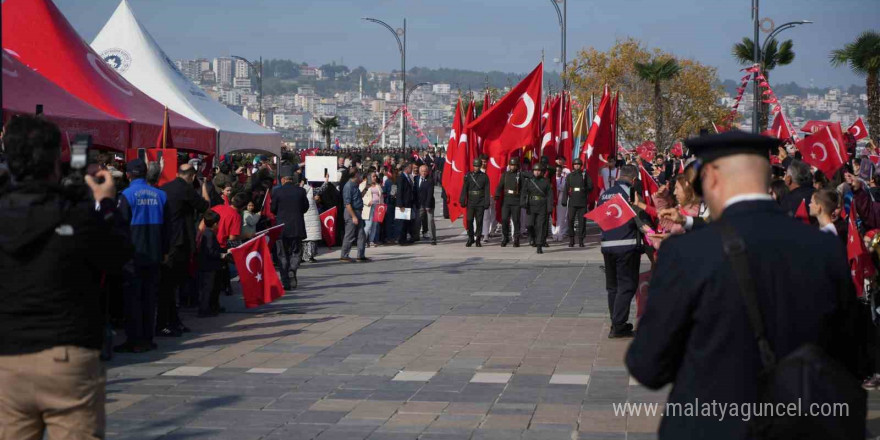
656	72
775	55
692	100
365	134
327	125
863	57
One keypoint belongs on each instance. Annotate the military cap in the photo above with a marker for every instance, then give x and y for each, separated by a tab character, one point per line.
478	163
538	167
577	161
513	161
713	147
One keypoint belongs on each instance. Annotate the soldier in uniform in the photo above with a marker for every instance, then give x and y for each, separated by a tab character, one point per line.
508	190
475	196
537	196
577	186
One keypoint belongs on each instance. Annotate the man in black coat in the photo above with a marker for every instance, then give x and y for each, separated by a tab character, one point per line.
182	203
475	197
406	198
424	185
289	204
800	181
695	332
574	195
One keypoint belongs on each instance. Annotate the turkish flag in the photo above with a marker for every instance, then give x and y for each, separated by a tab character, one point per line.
457	157
615	104
266	211
272	234
329	218
549	130
779	129
167	158
259	281
858	129
813	126
822	151
470	137
649	186
165	140
802	214
511	124
566	143
379	212
612	214
677	150
860	262
647	150
599	144
642	293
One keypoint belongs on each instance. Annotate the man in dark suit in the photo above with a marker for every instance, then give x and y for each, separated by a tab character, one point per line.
695	332
800	181
406	198
425	200
183	203
289	204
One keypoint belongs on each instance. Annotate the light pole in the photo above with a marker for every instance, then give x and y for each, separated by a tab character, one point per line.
562	15
401	45
259	73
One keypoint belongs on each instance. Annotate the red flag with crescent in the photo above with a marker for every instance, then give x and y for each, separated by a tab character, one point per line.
456	165
259	281
379	212
822	151
642	293
329	219
549	131
647	150
858	129
612	214
599	144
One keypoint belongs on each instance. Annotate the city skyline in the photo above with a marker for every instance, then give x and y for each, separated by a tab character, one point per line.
456	35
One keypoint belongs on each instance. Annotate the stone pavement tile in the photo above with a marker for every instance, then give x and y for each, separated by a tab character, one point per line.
456	434
119	401
415	376
491	378
386	435
570	379
419	407
641	436
392	395
374	410
284	360
530	395
468	408
187	371
346	433
342	393
601	421
497	434
560	414
324	417
413	423
506	421
188	433
290	404
588	435
297	431
642	424
427	395
240	419
334	405
446	422
549	432
571	394
267	370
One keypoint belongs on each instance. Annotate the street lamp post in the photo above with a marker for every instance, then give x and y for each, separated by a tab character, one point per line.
562	15
401	45
259	73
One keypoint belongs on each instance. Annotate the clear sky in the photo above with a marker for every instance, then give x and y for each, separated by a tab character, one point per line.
505	35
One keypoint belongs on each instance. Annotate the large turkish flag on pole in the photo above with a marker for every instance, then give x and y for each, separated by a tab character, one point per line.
510	124
259	281
456	165
549	130
599	143
566	142
822	151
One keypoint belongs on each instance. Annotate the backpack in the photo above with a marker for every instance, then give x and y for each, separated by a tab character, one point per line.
805	378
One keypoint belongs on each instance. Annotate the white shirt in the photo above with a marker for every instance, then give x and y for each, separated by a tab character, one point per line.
829	228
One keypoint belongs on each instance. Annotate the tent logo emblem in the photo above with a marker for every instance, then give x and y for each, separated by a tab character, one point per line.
118	59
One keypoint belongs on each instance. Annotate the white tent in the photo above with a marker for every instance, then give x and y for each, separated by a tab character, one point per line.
132	51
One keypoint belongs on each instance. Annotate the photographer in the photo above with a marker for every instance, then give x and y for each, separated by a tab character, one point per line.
55	242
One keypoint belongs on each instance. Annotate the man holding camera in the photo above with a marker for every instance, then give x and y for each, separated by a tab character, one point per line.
55	243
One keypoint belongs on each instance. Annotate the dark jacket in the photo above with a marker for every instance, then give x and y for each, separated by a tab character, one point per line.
183	204
475	190
510	187
868	210
577	186
406	197
695	333
53	249
289	204
424	192
209	251
537	193
145	209
625	238
792	201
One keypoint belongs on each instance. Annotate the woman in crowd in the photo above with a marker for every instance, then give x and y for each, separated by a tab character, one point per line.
312	218
390	192
372	196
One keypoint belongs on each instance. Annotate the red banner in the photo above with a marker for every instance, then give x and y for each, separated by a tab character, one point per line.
379	212
328	226
259	281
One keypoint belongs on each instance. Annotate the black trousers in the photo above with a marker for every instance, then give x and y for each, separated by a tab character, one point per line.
173	276
539	218
445	203
510	212
205	281
291	255
475	214
141	287
576	222
621	282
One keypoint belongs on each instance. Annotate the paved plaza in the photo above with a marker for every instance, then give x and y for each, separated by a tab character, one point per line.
426	342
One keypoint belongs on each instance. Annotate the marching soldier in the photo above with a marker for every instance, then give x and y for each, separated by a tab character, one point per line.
577	187
537	196
509	189
475	196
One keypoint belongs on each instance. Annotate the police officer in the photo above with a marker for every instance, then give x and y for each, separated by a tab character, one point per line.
577	186
508	190
475	196
537	196
622	251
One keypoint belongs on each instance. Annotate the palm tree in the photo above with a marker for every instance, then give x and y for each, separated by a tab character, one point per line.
655	72
775	55
863	57
327	125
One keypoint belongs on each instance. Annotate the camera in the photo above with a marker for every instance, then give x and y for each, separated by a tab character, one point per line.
82	162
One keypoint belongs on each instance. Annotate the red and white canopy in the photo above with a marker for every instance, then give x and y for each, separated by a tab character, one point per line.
35	32
23	89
